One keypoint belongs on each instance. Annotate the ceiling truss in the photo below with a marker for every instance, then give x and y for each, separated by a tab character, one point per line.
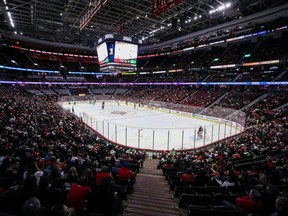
58	20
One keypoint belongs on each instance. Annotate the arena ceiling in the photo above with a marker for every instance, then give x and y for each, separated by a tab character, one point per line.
58	20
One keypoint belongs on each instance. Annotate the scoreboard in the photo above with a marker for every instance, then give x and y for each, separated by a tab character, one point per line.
102	53
117	53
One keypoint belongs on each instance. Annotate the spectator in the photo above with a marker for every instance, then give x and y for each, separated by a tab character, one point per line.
62	210
32	207
281	207
72	175
33	169
55	178
12	173
251	203
102	175
79	194
188	176
104	200
126	177
230	182
269	198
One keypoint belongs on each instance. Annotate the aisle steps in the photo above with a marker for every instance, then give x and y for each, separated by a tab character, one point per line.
152	196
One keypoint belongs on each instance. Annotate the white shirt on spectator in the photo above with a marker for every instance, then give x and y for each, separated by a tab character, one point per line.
38	174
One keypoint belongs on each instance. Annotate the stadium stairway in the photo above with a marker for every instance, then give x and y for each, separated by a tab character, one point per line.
152	196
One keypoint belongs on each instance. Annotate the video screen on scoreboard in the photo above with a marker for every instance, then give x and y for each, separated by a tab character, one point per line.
102	53
110	48
126	52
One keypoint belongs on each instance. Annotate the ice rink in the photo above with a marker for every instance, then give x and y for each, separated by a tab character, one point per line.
146	128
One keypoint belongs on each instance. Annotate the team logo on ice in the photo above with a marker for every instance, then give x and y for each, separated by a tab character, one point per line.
118	112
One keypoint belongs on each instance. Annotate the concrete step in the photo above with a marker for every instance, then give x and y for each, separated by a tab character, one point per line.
152	196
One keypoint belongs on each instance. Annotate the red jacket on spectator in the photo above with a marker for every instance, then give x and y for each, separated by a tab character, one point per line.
247	204
124	174
188	177
77	196
100	176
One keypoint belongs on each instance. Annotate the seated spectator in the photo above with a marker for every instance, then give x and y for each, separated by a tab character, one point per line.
140	158
202	178
48	195
15	197
104	200
214	170
251	203
55	178
6	161
79	194
102	175
32	207
62	210
33	169
281	207
269	198
12	173
230	182
72	175
89	175
126	177
188	176
114	170
22	193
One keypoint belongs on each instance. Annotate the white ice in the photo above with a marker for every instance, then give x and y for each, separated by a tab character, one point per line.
145	128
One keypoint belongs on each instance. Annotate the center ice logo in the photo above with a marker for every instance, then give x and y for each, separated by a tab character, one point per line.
118	112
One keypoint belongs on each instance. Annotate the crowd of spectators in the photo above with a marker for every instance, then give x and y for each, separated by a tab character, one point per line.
49	156
264	109
240	96
205	96
255	162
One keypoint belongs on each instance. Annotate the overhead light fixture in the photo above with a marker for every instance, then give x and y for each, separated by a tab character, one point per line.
11	20
9	14
220	8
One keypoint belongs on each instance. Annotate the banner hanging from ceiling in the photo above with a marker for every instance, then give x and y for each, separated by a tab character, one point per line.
160	6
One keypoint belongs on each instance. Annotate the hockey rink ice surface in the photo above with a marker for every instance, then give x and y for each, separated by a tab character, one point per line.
146	128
